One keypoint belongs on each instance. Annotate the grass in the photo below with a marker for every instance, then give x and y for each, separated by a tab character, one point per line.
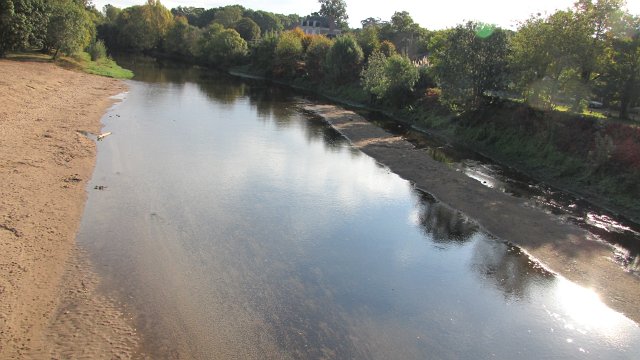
586	112
103	67
80	62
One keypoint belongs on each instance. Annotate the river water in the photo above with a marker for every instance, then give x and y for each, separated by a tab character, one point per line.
230	225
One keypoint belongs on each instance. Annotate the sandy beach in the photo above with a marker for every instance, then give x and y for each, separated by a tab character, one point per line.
562	248
49	303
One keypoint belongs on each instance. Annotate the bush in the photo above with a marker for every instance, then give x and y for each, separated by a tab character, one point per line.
288	54
344	60
97	50
316	56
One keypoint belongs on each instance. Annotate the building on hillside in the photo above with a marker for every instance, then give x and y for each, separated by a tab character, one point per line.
318	25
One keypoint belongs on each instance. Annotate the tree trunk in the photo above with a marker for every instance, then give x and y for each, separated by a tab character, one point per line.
55	54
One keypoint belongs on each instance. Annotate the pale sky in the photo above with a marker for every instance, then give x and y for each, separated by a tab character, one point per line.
430	14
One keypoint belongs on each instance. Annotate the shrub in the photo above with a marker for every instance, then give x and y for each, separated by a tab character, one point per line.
344	60
97	50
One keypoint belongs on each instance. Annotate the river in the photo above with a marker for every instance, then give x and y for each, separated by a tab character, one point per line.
229	224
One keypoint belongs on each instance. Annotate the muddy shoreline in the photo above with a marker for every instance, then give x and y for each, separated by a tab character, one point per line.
563	248
50	306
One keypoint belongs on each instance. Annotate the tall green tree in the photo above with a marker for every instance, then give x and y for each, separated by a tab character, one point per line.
390	78
621	69
369	40
70	28
344	60
316	56
228	15
143	27
288	54
473	60
182	38
335	11
248	29
23	23
222	47
267	21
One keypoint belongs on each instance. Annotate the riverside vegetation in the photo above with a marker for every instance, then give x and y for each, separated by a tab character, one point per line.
524	97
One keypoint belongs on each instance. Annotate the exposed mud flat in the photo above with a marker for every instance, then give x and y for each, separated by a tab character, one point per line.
561	247
49	305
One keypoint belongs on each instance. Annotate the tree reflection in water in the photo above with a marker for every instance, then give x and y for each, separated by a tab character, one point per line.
501	265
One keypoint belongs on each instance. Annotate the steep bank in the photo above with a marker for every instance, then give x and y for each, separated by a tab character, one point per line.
563	248
49	306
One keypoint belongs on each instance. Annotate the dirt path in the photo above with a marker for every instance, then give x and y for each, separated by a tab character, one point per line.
563	248
49	307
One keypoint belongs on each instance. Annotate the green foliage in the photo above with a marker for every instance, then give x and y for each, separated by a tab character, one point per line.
70	29
335	11
103	67
621	65
374	77
344	60
390	78
111	12
248	29
143	27
22	23
469	65
222	47
182	39
97	50
368	40
288	54
228	15
387	48
263	54
268	22
316	56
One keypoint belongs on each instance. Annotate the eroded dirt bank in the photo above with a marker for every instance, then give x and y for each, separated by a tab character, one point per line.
49	306
563	248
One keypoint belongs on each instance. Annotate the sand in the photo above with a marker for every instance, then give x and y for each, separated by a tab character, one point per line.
561	247
49	303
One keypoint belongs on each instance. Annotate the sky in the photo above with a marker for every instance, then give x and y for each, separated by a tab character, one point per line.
430	14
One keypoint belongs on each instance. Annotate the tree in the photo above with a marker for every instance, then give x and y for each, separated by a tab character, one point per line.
228	15
70	28
143	27
621	70
222	47
22	23
316	56
390	78
374	79
288	54
405	32
111	12
344	60
263	53
181	39
387	48
595	20
248	29
368	40
267	21
335	11
473	60
370	22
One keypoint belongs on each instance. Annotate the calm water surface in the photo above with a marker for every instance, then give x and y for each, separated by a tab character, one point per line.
231	225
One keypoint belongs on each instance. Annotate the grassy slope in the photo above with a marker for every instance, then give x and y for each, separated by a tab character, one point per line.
80	62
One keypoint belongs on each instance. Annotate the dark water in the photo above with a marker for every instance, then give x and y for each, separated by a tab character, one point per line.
231	225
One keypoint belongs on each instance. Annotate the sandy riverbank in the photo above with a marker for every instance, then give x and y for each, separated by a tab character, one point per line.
563	248
49	305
